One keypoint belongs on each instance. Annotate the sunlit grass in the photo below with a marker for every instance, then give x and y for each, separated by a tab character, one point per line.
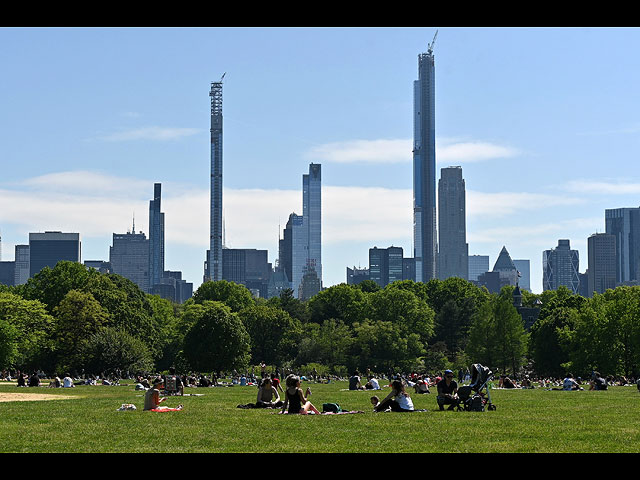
525	421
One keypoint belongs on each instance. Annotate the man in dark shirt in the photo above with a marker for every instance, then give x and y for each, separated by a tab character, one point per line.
447	391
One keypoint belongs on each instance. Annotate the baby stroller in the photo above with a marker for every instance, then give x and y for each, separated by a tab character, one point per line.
471	397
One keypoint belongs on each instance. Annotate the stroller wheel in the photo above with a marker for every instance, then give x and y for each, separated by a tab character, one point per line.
492	407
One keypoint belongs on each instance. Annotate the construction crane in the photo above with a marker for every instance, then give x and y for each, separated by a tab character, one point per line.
430	49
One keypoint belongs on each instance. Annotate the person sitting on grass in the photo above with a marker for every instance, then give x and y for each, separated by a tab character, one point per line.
447	391
152	398
295	400
597	382
569	383
398	399
268	396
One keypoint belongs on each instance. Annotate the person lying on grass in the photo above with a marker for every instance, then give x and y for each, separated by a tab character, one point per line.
152	398
398	399
295	400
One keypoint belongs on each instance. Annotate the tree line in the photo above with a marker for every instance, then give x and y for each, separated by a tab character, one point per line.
68	318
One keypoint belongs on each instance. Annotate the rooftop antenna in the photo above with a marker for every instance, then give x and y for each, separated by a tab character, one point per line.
223	76
133	228
430	49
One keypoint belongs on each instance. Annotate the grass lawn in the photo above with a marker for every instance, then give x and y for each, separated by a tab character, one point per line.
525	421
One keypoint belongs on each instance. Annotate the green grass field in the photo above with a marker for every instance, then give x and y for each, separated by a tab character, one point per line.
525	421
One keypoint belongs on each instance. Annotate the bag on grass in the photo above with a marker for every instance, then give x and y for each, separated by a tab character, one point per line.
331	408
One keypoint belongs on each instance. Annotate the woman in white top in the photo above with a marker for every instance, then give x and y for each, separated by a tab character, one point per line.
398	399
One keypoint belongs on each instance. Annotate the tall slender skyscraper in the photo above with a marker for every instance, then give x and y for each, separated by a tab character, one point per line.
453	255
312	213
213	269
156	238
424	168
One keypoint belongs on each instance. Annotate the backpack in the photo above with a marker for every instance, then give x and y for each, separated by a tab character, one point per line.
477	405
331	408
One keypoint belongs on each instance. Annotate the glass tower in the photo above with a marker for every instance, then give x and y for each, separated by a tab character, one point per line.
424	169
156	238
453	255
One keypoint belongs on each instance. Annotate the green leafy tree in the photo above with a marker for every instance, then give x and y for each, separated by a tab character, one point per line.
235	296
547	349
27	327
340	302
404	309
274	334
328	343
50	285
294	307
497	337
218	340
381	345
78	317
110	349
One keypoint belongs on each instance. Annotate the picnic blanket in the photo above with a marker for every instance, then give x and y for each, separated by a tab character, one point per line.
159	410
323	413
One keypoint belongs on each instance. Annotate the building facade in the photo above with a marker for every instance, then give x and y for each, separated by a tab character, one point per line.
624	224
424	169
22	264
156	238
453	250
248	267
524	271
129	257
48	248
602	260
213	263
478	264
560	267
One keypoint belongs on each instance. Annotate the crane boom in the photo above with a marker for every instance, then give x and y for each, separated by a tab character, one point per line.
430	50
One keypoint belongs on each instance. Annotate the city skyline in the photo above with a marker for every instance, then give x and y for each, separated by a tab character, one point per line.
546	136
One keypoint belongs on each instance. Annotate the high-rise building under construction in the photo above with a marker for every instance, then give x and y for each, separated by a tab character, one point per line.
213	263
424	168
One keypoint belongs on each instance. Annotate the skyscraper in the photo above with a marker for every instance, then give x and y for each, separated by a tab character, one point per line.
524	268
601	272
312	213
213	269
560	266
624	223
453	255
22	264
130	256
478	264
48	248
424	168
386	265
300	249
156	238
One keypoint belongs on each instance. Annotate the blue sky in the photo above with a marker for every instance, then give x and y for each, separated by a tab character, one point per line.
544	122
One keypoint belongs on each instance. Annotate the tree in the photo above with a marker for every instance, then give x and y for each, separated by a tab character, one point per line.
274	334
235	296
340	302
403	308
497	337
218	340
547	349
78	317
26	330
50	285
110	349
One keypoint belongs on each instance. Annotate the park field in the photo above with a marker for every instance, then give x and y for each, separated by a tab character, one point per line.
86	419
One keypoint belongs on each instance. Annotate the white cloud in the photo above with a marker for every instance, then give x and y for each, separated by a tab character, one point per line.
400	151
150	133
469	152
506	203
603	187
369	151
